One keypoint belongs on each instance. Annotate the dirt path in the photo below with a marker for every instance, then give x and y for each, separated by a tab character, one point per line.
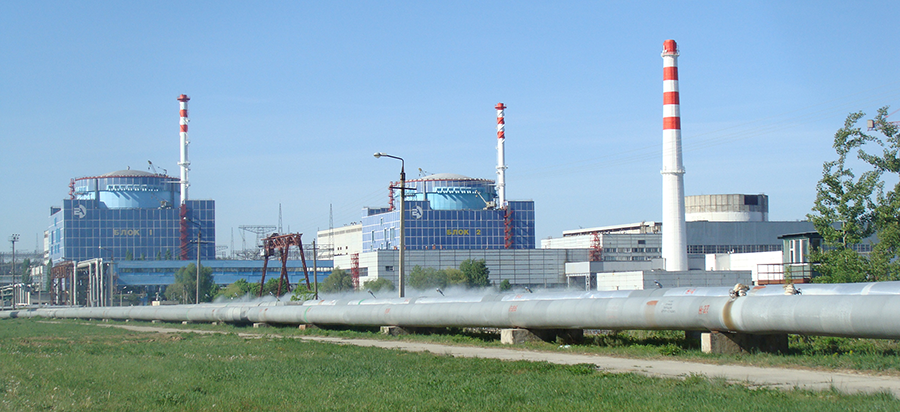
753	376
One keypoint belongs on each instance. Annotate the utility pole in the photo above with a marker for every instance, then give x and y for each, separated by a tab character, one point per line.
13	238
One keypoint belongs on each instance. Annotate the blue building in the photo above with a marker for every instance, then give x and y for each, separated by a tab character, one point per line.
449	211
130	214
139	273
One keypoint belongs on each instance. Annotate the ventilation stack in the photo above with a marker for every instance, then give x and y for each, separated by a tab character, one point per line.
185	166
674	246
184	163
501	157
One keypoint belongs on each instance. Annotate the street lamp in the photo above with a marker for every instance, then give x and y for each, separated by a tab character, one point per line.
402	284
197	300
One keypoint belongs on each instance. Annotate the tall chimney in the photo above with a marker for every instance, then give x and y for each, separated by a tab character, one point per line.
501	157
184	163
674	246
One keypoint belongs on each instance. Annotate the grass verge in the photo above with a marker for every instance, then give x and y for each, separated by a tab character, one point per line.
70	366
871	356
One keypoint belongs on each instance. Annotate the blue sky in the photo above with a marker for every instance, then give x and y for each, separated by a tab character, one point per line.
289	100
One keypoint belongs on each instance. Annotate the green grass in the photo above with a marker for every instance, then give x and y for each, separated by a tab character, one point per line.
68	366
873	356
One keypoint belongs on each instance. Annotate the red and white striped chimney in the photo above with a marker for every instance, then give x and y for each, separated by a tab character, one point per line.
674	246
184	163
501	157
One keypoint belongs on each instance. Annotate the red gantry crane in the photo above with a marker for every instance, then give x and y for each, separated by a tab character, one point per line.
282	243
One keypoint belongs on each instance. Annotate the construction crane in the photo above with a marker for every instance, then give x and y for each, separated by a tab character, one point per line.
871	123
152	168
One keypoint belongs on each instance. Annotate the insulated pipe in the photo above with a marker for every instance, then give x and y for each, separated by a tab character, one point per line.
501	156
852	310
674	246
184	163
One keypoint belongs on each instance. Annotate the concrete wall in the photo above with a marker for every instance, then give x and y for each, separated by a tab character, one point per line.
742	261
537	267
647	279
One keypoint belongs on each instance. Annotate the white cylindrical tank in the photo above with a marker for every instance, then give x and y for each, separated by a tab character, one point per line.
727	208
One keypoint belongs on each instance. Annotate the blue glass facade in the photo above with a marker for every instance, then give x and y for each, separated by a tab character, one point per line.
224	272
128	214
427	228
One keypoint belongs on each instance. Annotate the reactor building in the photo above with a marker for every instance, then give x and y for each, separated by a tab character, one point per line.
134	215
129	215
450	211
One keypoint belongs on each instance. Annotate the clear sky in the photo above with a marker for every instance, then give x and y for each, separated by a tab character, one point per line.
290	99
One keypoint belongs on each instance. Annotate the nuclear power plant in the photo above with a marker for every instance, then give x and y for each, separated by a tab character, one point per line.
709	266
139	220
451	218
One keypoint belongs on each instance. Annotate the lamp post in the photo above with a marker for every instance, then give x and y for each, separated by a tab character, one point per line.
401	281
197	299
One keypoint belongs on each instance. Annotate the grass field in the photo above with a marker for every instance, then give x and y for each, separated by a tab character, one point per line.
68	366
872	356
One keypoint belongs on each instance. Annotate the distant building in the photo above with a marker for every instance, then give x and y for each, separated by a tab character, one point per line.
129	214
449	211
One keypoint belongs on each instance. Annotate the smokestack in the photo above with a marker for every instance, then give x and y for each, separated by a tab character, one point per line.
674	247
501	157
184	163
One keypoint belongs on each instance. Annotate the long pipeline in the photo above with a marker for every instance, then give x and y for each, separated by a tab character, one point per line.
864	310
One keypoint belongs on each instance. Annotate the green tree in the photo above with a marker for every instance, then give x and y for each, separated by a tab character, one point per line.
455	277
184	289
505	285
852	206
302	293
238	289
426	278
378	285
337	281
25	271
168	254
477	273
271	287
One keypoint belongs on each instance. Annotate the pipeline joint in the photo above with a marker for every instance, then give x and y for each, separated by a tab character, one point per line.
738	291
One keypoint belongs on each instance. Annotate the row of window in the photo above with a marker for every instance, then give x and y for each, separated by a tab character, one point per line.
628	258
704	249
631	250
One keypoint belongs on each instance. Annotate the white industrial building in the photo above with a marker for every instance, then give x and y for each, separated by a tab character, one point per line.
728	238
340	241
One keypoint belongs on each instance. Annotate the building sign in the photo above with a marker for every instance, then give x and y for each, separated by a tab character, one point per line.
463	232
80	212
128	232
